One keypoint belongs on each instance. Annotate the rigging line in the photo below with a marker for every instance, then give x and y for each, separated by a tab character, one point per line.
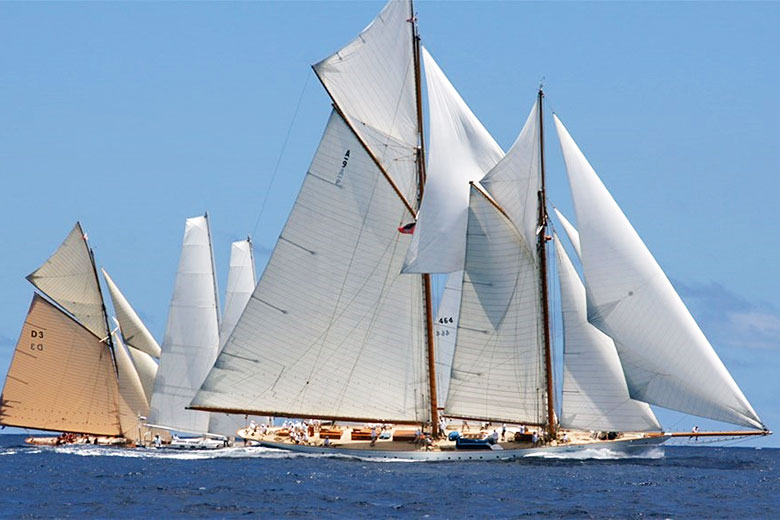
281	153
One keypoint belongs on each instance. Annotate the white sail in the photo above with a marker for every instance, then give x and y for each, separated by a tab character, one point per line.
191	336
461	150
666	358
146	368
571	232
446	331
132	399
240	285
332	329
514	182
68	277
595	395
133	329
372	82
498	370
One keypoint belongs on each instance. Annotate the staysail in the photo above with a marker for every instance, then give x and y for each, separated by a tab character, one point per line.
461	151
192	334
134	331
666	358
71	372
133	404
497	371
332	329
595	395
68	278
146	367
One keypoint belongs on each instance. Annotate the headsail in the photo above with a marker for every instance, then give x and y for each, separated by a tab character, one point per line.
332	329
192	334
665	356
133	329
146	368
461	150
595	395
571	232
71	372
497	372
132	400
68	277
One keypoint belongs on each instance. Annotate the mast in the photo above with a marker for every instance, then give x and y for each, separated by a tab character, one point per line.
426	277
542	247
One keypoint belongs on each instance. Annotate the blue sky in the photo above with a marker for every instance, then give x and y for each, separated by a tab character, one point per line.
133	116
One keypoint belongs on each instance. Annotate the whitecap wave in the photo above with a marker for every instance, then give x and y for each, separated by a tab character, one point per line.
602	453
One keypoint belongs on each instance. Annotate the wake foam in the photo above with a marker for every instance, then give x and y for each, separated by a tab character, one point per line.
603	453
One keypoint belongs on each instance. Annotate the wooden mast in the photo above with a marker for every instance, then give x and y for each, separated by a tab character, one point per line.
426	278
542	247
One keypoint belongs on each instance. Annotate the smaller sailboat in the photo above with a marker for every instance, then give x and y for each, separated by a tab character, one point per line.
69	373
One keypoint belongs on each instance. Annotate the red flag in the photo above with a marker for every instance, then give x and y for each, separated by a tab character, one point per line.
408	229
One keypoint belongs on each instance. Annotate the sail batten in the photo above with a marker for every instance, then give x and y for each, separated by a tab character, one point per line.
332	329
666	358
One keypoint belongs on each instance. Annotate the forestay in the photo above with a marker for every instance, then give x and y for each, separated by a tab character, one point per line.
71	371
461	151
332	329
371	80
595	395
666	358
498	371
133	329
68	277
191	336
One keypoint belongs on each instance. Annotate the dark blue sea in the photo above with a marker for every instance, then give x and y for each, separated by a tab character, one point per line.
669	482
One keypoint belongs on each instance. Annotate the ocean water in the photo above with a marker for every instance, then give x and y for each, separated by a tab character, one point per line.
668	482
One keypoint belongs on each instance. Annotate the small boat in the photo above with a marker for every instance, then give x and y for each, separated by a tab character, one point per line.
69	372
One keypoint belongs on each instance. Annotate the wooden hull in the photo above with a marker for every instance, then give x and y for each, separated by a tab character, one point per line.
444	451
92	440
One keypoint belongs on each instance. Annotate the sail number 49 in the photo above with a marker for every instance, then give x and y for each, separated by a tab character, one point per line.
37	340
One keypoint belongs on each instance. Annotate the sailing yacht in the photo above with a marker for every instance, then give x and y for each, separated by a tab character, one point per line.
340	327
69	372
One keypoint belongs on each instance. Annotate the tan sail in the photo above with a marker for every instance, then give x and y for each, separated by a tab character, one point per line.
61	377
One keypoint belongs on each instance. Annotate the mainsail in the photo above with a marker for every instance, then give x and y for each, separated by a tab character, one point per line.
192	334
666	359
61	377
332	329
68	277
240	285
595	395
